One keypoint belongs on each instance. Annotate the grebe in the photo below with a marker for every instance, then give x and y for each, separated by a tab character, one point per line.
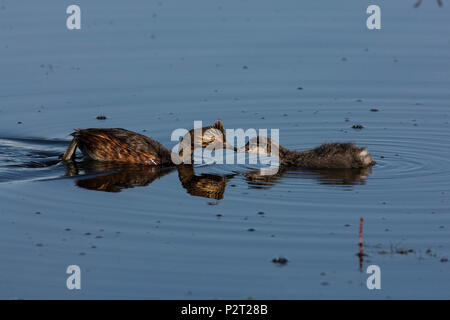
326	156
120	145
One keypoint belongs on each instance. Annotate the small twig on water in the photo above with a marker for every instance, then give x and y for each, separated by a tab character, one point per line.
360	244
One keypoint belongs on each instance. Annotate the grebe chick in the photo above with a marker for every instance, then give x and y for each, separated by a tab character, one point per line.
120	145
326	156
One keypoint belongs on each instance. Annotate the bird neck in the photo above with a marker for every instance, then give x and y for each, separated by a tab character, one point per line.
185	150
286	155
284	152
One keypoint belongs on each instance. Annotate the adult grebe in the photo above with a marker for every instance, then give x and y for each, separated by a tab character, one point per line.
326	156
120	145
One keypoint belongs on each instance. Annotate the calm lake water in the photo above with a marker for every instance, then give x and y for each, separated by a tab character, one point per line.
312	70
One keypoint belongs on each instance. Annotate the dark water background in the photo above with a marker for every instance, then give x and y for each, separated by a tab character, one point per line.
154	66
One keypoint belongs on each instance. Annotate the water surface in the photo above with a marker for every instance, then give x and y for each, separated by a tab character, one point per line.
312	70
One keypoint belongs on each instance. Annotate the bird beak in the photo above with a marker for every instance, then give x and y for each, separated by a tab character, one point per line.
230	147
243	149
220	144
226	145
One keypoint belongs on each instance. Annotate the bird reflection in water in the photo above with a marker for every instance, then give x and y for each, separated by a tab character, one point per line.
257	180
205	185
113	177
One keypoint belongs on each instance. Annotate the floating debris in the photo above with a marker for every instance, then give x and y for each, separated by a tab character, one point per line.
405	251
357	126
280	260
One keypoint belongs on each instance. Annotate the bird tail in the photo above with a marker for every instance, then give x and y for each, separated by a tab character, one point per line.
366	158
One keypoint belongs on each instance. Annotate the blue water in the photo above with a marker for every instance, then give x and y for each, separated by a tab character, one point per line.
155	66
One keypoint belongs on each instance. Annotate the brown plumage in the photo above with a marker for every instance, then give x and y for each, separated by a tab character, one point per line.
207	137
326	156
120	145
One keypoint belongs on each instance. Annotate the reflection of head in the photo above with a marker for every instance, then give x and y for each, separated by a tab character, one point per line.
205	185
